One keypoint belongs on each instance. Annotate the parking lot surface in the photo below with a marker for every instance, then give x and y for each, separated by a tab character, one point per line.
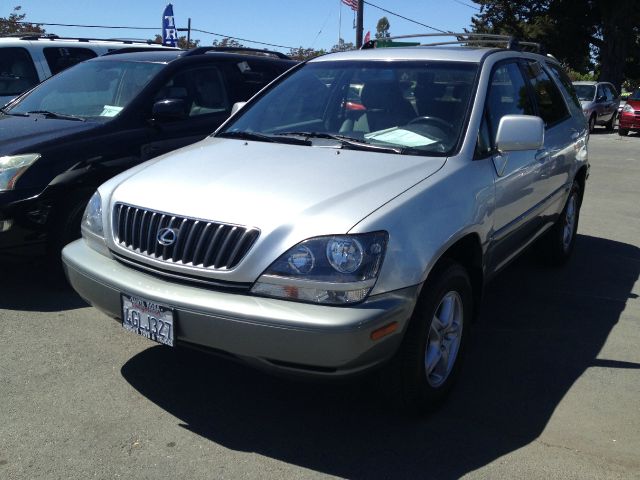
550	388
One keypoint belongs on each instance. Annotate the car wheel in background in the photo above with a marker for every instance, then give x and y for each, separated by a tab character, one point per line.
426	366
592	123
611	123
623	132
557	244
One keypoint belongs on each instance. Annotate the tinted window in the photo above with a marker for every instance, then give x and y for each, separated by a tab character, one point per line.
90	89
17	72
609	91
255	75
586	93
61	58
507	95
202	89
565	82
551	106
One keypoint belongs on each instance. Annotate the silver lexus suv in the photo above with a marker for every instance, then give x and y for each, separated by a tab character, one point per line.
347	217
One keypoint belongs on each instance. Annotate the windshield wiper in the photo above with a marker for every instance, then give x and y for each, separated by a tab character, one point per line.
9	112
262	137
346	141
60	116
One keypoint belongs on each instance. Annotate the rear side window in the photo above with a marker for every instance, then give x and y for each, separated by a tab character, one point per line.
17	73
565	82
551	105
255	75
60	58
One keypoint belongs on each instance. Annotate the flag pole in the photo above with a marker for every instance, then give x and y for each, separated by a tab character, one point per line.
339	20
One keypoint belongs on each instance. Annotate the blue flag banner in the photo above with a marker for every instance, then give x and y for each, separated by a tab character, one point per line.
169	32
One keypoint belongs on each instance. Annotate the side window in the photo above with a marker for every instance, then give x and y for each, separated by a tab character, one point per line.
507	95
600	94
17	72
614	92
565	82
551	105
202	89
610	93
60	58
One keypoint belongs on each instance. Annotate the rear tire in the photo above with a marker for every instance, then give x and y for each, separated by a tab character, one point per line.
558	243
425	368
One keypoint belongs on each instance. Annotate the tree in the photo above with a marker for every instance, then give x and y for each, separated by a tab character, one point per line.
227	42
303	54
342	46
10	26
182	42
578	32
382	28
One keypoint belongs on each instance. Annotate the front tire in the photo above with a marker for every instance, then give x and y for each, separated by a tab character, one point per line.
592	123
611	123
623	132
427	364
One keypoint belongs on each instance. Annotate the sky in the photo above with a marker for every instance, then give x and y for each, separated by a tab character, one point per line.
289	23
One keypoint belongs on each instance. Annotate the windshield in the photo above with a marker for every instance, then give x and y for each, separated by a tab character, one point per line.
403	106
586	93
91	89
17	72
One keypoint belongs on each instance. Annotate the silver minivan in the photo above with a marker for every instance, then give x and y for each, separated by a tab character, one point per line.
600	102
348	217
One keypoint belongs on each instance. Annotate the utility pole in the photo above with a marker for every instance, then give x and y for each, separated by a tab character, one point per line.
359	23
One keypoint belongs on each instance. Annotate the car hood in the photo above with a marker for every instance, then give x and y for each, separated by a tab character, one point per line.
288	192
19	134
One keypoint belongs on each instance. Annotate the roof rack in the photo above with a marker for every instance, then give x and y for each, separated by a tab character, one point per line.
141	49
468	39
201	50
53	37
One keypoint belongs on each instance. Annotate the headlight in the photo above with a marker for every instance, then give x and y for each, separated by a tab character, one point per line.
337	269
627	108
91	226
12	167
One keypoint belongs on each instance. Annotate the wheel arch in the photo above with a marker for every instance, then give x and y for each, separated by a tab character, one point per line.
581	178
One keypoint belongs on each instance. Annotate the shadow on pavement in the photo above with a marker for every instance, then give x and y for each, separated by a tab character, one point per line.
541	329
32	285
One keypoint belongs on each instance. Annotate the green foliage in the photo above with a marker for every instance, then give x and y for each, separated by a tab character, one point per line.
9	25
182	42
303	54
577	76
342	46
587	35
382	28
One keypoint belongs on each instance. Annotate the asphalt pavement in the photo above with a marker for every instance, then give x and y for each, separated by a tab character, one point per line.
550	388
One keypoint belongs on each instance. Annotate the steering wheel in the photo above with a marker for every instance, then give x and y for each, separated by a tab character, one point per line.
438	122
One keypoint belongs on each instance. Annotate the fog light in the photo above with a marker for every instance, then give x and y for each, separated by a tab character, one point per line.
5	225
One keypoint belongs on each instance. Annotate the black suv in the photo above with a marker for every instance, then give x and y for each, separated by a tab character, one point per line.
69	134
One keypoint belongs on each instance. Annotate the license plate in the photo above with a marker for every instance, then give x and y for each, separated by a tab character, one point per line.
149	319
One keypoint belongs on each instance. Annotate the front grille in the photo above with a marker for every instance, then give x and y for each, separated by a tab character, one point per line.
196	243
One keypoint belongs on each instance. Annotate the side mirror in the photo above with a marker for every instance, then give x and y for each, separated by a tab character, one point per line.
520	132
236	107
169	109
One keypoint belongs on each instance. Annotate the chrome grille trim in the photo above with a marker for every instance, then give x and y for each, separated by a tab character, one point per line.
199	243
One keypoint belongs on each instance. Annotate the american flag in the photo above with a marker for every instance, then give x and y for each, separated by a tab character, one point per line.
351	3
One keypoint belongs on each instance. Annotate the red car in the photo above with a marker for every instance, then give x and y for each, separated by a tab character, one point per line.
630	115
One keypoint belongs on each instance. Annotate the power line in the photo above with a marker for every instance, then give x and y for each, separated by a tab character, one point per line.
149	28
405	18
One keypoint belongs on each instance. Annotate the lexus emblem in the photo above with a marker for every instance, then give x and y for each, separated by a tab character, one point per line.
167	236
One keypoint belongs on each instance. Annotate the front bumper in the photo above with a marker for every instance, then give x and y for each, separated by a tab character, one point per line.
271	333
629	122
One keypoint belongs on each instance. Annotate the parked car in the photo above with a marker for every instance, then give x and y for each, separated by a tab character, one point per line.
26	60
629	120
90	122
313	238
600	102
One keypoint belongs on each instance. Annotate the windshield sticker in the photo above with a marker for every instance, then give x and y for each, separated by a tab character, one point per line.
110	111
244	67
399	136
